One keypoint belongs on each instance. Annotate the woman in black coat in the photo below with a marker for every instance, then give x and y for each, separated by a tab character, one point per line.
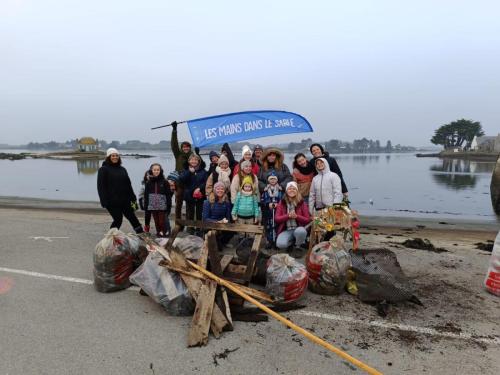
115	191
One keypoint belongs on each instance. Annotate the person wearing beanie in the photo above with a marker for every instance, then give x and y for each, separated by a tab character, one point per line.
270	198
292	216
214	159
221	173
115	191
246	208
317	151
245	169
246	154
193	180
226	151
257	154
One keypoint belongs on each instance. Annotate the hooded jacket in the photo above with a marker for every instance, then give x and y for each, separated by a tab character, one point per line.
279	167
334	167
114	186
326	189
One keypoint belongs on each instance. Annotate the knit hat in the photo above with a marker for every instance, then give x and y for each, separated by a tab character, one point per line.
258	147
272	176
173	176
292	184
219	184
223	158
247	180
211	154
317	145
244	150
110	151
245	163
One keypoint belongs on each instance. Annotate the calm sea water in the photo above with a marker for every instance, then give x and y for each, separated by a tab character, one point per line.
379	184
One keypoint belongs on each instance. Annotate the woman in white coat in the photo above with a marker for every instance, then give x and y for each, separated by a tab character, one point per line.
326	187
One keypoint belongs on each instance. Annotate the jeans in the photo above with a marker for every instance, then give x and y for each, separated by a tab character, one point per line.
289	236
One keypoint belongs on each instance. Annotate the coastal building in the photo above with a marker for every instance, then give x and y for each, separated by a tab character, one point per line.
88	144
486	143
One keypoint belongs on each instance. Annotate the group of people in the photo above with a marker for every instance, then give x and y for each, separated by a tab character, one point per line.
258	188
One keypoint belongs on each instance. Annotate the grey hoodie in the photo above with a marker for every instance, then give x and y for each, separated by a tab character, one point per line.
326	189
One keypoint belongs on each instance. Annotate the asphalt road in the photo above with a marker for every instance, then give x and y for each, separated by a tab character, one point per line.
63	326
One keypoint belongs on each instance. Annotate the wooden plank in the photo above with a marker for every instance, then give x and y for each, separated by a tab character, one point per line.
200	325
202	262
229	227
213	253
199	276
237	268
253	257
225	260
226	310
173	235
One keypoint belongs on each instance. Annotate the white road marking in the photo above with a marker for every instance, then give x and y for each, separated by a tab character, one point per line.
48	239
54	277
314	314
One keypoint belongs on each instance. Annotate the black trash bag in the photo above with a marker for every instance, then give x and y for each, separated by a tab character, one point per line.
379	277
163	286
116	256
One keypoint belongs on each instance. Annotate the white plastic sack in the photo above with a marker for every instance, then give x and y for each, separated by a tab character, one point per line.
286	279
163	286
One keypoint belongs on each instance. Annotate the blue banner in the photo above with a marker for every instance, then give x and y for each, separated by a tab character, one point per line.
240	126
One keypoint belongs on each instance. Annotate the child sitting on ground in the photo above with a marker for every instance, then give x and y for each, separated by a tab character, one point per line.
246	208
270	198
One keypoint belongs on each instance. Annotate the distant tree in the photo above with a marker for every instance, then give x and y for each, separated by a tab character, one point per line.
388	146
456	133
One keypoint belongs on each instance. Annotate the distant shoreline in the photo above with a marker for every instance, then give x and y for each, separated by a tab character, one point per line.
465	155
93	207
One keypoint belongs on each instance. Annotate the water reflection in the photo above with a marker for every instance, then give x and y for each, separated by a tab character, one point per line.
459	174
87	166
363	159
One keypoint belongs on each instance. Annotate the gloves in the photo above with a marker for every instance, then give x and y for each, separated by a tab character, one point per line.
174	125
197	150
134	206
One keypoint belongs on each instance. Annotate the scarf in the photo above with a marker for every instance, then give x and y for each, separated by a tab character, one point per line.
273	191
290	223
308	169
224	176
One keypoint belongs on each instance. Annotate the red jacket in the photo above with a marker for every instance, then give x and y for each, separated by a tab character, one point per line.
281	215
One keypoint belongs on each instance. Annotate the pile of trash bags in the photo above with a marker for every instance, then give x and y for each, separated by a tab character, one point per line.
286	279
116	256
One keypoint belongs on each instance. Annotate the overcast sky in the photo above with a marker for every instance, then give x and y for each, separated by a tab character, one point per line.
113	69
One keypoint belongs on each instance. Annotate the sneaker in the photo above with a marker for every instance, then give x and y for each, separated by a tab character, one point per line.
146	228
